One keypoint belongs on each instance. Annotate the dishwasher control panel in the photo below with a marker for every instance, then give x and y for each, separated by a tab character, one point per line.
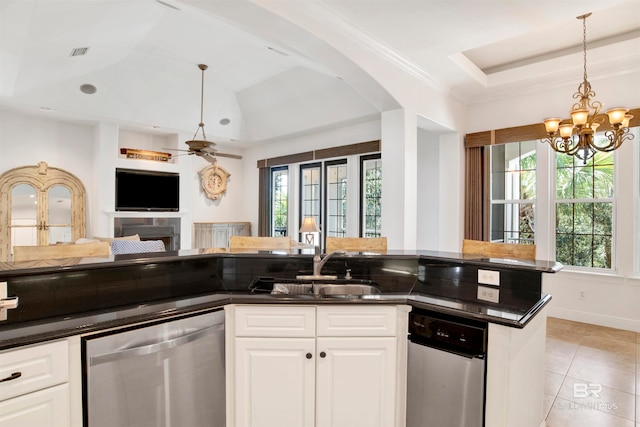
452	333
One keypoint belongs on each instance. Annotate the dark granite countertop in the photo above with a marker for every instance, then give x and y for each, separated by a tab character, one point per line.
8	269
63	298
94	322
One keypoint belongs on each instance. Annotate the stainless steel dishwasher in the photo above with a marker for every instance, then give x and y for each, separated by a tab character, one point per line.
446	370
168	374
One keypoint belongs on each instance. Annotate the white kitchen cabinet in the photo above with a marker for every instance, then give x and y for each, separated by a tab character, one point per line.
275	382
43	408
217	234
325	366
356	379
35	390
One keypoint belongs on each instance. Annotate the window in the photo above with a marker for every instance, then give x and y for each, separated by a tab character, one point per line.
584	210
279	201
371	191
310	192
513	192
336	173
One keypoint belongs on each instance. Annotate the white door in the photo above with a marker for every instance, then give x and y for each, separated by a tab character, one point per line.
356	382
274	382
44	408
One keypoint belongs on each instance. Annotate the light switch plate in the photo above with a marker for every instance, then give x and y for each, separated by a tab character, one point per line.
488	277
489	294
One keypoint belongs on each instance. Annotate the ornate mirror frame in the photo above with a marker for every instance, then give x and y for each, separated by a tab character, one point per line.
42	178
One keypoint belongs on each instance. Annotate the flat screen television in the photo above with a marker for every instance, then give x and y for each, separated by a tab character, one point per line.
139	190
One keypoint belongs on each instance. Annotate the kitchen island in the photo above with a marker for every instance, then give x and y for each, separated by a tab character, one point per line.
64	302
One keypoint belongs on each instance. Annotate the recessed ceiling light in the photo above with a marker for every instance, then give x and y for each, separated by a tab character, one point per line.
225	121
88	89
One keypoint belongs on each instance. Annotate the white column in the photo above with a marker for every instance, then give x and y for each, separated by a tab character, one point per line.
399	185
102	196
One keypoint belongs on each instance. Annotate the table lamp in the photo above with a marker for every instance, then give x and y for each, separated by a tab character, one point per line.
309	227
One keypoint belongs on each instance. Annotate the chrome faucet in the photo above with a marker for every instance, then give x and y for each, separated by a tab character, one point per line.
319	263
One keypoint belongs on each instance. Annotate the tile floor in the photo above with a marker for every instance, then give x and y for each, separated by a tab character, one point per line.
592	375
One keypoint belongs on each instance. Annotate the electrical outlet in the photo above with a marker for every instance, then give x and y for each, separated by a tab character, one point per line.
488	277
489	294
582	295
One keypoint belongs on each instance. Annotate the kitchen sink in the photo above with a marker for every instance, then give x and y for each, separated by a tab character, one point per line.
326	288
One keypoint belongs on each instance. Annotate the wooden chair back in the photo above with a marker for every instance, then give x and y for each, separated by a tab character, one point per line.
71	250
247	242
357	244
499	250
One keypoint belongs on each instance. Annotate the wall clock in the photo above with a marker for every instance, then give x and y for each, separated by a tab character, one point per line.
213	180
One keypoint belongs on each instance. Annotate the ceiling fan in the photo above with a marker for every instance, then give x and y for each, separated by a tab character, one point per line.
202	147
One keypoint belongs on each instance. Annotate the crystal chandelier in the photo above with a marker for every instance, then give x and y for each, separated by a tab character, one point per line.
577	138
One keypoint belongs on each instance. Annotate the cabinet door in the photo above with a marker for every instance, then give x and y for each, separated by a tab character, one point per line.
44	408
220	236
356	382
242	229
203	235
274	382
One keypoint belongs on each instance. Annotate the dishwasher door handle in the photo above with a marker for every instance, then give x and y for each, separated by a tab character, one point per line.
155	347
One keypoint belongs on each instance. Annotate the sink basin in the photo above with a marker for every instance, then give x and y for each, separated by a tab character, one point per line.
326	288
348	290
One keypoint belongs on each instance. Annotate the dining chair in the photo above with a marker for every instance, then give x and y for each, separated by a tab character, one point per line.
499	250
266	243
357	244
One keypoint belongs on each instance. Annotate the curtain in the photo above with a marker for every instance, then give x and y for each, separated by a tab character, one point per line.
264	202
474	194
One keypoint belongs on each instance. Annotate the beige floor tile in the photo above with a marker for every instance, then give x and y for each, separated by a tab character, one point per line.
617	334
565	335
552	382
598	397
609	377
577	327
623	362
548	403
557	363
565	413
610	345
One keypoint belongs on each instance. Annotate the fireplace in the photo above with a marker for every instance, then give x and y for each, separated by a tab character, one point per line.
165	229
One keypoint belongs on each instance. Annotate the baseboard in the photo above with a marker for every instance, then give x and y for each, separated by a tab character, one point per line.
595	319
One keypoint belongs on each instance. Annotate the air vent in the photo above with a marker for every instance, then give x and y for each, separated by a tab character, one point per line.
79	51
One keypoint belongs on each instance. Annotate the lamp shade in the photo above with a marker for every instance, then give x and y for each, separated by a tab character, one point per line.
309	225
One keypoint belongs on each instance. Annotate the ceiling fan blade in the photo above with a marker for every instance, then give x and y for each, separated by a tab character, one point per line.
231	156
176	149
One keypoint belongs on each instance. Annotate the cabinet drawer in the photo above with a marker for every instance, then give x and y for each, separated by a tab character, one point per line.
39	366
361	321
271	321
44	408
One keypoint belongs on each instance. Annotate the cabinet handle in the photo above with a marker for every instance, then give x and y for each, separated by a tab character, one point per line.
323	354
309	355
13	376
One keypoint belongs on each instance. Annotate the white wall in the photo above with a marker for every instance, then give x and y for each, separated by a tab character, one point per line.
91	152
611	299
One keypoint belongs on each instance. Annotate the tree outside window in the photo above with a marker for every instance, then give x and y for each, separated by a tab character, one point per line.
584	210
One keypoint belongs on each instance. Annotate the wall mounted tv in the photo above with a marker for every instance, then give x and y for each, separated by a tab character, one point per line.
139	190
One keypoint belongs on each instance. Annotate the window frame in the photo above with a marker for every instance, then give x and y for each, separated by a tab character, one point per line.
362	200
554	200
272	172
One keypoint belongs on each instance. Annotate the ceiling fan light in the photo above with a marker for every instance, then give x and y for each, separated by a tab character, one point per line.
626	120
616	115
